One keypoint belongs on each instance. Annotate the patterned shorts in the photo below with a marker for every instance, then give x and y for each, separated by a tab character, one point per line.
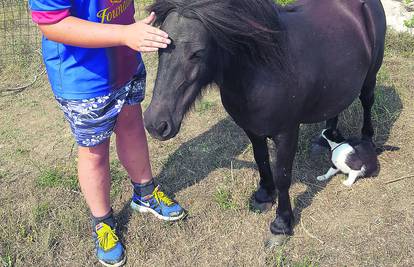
92	121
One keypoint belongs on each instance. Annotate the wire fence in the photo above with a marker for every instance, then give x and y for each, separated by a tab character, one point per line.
20	59
19	35
20	52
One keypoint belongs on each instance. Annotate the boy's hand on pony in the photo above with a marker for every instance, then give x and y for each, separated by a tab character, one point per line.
143	37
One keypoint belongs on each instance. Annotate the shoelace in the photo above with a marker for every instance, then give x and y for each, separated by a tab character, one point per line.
107	238
161	197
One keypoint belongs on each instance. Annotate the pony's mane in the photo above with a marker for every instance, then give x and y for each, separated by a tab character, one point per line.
248	28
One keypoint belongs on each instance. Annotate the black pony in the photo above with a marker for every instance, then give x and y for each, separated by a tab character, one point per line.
276	68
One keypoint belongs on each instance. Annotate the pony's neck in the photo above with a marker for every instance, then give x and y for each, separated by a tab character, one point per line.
238	70
264	47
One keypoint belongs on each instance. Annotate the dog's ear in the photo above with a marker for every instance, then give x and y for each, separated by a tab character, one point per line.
337	136
328	133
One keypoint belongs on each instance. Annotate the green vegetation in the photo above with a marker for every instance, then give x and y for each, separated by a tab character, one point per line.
203	106
284	2
7	260
41	211
409	23
279	259
223	198
400	43
56	177
118	174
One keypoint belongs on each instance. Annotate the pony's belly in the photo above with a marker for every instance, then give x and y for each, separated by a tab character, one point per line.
329	106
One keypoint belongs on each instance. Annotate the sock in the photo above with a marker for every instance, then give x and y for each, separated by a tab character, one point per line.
107	219
145	189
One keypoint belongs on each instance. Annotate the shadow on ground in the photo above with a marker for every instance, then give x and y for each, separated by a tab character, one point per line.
386	110
196	159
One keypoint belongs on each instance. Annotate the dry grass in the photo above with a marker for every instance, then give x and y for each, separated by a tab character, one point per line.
209	168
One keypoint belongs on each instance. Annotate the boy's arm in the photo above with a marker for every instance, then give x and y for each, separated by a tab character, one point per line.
140	36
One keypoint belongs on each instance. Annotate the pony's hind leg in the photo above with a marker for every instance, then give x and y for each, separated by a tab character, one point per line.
332	123
319	142
367	98
264	198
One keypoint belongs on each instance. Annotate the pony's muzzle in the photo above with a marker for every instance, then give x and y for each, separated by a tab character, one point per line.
158	126
160	130
163	129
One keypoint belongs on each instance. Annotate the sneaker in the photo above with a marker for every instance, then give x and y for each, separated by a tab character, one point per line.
109	249
158	204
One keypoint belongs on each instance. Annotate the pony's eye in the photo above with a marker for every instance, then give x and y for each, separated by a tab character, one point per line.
197	55
169	49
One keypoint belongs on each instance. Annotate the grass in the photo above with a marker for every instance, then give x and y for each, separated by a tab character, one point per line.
203	106
7	261
41	212
399	44
278	258
285	2
223	198
118	175
409	23
18	45
210	170
56	177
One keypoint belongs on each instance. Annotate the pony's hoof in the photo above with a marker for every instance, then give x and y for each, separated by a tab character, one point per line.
274	241
261	207
262	200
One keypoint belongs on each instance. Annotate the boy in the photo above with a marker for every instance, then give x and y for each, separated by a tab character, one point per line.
91	52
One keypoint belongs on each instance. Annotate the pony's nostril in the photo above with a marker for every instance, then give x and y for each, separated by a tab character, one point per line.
163	129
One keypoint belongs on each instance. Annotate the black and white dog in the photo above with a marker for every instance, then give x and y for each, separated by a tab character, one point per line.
357	158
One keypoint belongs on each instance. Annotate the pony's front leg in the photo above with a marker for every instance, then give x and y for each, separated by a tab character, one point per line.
264	198
287	143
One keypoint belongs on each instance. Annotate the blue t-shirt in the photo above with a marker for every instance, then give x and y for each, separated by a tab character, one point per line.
82	73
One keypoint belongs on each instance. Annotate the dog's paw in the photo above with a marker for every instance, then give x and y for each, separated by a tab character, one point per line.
347	183
322	178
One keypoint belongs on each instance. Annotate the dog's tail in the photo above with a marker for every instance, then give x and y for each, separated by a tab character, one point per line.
384	148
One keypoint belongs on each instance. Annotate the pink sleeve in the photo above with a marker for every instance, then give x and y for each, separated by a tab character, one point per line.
49	17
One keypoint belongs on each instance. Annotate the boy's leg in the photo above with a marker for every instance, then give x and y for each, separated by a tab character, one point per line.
92	122
95	183
132	145
132	148
94	177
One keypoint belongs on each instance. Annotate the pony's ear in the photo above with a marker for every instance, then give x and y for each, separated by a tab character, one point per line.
161	8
